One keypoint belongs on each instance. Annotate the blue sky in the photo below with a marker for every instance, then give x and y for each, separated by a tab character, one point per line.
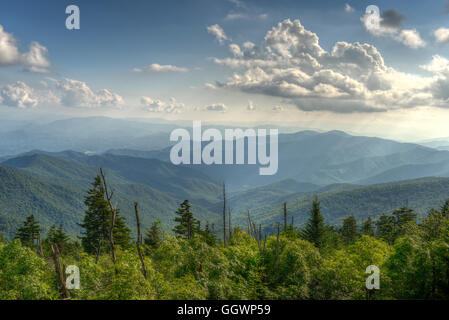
117	37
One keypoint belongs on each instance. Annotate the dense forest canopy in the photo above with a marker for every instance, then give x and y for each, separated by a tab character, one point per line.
317	261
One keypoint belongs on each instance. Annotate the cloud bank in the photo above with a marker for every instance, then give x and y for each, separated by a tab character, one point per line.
35	60
351	77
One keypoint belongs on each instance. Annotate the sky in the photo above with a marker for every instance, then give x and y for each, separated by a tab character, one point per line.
327	65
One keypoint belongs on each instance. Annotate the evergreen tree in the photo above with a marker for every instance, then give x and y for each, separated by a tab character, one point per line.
314	230
122	234
445	209
97	221
29	233
367	227
385	228
58	236
349	230
153	235
404	216
187	224
209	237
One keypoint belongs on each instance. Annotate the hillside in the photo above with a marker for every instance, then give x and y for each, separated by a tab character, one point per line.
328	158
361	201
53	189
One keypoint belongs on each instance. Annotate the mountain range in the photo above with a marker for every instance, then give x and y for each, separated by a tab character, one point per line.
352	175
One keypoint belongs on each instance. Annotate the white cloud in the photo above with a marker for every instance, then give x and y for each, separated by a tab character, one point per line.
235	50
235	16
348	8
411	38
437	65
74	93
160	106
389	24
35	60
352	77
218	32
441	35
18	95
155	67
220	107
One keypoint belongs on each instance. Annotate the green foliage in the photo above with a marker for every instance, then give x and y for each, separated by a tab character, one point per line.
97	221
349	230
24	275
153	235
187	225
367	227
29	233
317	262
314	230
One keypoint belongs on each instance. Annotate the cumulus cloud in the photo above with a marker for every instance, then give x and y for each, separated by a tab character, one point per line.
389	24
348	8
35	60
441	35
74	93
411	39
351	77
18	95
159	106
220	107
235	50
218	32
155	67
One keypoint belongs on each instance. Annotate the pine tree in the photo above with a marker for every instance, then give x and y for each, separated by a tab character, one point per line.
153	235
314	230
29	233
209	237
97	222
445	209
349	230
59	237
385	228
122	234
187	224
367	227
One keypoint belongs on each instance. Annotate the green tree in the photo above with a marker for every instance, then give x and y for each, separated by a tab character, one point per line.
209	237
29	233
187	224
445	209
349	230
97	221
367	227
314	230
59	237
153	235
385	228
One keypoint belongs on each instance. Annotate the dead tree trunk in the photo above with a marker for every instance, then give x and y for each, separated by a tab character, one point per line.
41	251
224	215
230	225
63	292
285	216
113	217
277	249
139	241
